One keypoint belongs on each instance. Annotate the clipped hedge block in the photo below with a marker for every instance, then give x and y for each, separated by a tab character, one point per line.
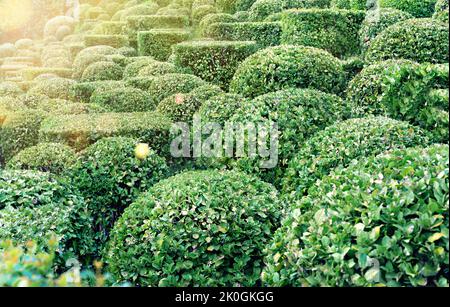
213	61
417	8
102	71
158	42
115	41
166	85
333	30
261	9
123	100
266	34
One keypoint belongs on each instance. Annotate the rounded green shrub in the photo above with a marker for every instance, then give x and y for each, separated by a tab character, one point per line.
110	177
333	30
171	84
344	142
298	114
102	71
213	61
158	42
115	40
199	12
350	4
149	8
36	206
57	88
157	68
264	8
441	11
420	40
196	229
44	157
125	99
132	69
417	8
214	18
220	108
377	21
282	67
385	225
88	56
182	107
82	91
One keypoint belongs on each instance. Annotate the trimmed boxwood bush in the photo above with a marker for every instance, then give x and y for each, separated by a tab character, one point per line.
214	18
102	71
199	12
158	42
182	107
149	8
350	4
132	69
417	8
377	21
110	177
157	68
213	61
220	108
110	28
333	30
420	40
298	113
386	224
196	229
80	131
170	84
264	33
31	73
125	99
264	8
36	206
53	88
88	56
282	67
441	11
344	142
115	41
44	157
83	91
19	130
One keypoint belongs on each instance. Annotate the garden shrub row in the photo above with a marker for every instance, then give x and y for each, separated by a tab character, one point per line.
158	42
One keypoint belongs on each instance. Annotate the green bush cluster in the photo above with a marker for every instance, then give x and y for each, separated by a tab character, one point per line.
282	67
350	4
170	84
158	42
377	21
36	206
298	113
420	40
125	99
80	131
339	145
333	30
82	91
441	11
386	225
157	68
417	8
44	157
266	34
220	108
198	13
213	61
102	71
182	107
88	56
110	177
196	229
52	88
210	19
133	68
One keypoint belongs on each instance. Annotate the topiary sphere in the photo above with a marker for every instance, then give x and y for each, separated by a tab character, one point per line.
380	222
366	88
420	40
102	71
283	67
44	157
417	8
170	84
53	88
157	68
44	207
182	107
220	108
123	99
110	177
342	143
88	56
214	18
298	113
196	229
132	70
376	22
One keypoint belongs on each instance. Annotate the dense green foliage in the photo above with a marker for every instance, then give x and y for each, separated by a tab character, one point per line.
417	8
282	67
196	229
124	100
158	42
387	224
